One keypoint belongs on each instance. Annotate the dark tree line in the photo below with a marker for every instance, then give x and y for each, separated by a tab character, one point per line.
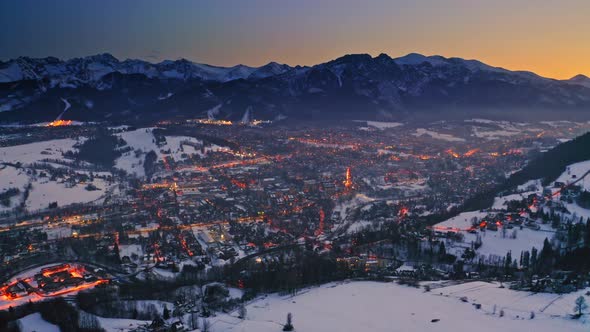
100	149
149	164
55	311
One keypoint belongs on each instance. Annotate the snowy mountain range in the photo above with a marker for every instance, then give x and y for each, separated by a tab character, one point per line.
90	69
101	87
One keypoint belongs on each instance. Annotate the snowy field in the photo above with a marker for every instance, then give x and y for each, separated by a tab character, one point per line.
574	172
11	177
120	325
493	134
36	323
383	125
376	307
494	244
43	191
34	152
514	303
445	137
461	221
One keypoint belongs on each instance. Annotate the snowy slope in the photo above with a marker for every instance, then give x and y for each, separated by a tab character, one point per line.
376	307
574	172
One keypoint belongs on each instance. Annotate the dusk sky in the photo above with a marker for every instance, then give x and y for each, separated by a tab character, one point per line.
551	38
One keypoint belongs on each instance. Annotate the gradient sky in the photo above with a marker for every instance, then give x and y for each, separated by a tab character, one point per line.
551	38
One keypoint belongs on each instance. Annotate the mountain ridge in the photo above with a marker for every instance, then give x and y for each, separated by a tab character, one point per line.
24	68
410	58
101	87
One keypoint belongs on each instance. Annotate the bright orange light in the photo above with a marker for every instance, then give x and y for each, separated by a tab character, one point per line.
239	184
59	123
79	288
320	229
452	153
348	180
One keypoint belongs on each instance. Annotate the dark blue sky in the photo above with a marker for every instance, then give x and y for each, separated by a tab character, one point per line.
548	37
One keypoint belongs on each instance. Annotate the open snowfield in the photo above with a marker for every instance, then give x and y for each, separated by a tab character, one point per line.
375	307
383	125
45	192
36	323
495	244
574	172
512	302
493	134
445	137
577	211
120	324
11	177
462	220
33	152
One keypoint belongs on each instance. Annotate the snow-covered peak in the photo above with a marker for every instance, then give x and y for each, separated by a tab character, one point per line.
238	72
413	59
270	69
90	69
580	80
10	72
